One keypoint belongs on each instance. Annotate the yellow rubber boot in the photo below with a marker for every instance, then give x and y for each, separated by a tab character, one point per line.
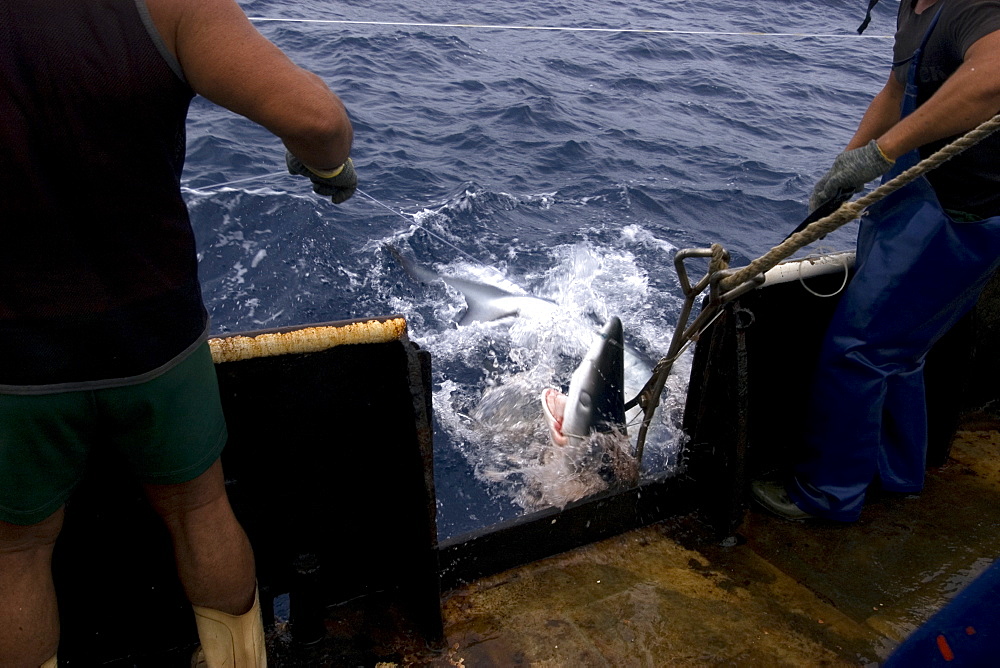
230	641
51	663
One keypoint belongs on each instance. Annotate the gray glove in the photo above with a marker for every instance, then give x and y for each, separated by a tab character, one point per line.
850	172
338	185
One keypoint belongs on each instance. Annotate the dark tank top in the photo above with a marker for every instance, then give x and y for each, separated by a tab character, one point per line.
98	271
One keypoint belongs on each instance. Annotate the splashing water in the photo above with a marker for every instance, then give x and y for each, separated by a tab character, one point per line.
487	401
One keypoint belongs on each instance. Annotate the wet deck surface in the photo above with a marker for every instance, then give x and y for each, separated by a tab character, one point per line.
788	594
792	594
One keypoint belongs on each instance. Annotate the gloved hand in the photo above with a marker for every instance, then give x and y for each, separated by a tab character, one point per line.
850	172
338	184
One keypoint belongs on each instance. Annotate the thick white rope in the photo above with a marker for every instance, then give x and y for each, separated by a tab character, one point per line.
848	211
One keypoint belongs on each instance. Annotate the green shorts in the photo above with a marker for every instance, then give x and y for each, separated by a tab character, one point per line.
169	430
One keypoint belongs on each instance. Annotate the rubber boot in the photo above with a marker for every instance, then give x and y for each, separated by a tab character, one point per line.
230	641
51	663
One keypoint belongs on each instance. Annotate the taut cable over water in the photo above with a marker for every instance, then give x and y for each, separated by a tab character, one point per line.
654	31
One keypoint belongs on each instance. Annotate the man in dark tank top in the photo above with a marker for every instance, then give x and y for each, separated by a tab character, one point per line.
101	319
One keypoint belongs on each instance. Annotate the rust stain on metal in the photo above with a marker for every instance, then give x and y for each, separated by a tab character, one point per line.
306	340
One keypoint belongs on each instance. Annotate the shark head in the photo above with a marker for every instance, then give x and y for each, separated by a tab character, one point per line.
588	426
596	400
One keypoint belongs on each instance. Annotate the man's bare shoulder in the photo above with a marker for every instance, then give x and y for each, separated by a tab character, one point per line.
175	17
173	9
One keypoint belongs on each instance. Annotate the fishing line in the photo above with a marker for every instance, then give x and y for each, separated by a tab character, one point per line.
409	218
413	221
229	183
653	31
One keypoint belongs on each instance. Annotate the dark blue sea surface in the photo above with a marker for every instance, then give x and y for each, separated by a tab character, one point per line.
567	163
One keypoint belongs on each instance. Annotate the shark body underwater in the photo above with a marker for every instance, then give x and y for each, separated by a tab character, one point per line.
597	390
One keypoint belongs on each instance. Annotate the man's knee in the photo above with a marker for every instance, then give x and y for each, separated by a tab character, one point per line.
176	502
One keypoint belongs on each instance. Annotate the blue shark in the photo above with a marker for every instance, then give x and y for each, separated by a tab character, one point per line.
589	424
596	398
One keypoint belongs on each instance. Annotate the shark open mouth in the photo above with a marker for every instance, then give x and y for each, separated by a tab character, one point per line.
553	408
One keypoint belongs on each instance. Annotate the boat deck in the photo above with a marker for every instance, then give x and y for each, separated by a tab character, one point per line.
787	594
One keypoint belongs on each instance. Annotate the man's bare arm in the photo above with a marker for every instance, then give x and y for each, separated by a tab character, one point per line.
970	96
881	115
226	60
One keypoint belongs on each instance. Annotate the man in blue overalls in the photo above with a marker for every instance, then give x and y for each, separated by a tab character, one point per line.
924	254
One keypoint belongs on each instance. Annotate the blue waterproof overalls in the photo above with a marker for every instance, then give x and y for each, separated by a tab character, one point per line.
918	272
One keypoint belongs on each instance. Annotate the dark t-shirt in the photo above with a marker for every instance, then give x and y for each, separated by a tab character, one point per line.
969	182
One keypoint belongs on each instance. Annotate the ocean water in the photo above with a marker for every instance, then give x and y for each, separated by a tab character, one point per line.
562	149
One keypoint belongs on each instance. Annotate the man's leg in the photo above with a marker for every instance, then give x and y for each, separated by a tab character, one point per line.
214	558
29	618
